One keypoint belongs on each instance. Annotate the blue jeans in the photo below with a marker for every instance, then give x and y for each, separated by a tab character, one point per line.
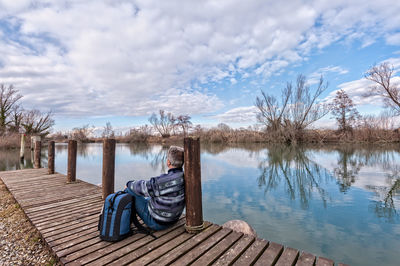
141	204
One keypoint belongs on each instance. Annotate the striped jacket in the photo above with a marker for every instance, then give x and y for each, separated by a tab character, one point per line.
166	192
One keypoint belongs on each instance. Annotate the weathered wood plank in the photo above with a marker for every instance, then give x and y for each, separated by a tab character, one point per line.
288	257
93	252
73	233
235	251
270	255
321	261
306	259
63	209
252	253
71	225
51	226
203	247
213	254
165	248
131	256
133	246
75	241
185	247
64	203
71	212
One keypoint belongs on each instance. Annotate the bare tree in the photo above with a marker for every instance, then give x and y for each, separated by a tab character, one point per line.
297	109
382	76
16	116
271	112
163	124
184	122
36	122
82	134
303	109
108	131
344	111
9	96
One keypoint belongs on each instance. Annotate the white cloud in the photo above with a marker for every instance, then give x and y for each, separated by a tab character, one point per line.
133	57
314	77
358	89
245	115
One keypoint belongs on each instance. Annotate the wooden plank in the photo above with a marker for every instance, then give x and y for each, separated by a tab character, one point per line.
48	227
57	193
252	253
213	254
306	259
66	239
66	227
93	252
62	209
75	241
270	255
131	256
186	246
202	247
235	251
321	261
288	257
73	211
149	257
74	232
59	204
77	247
67	218
165	248
53	200
133	246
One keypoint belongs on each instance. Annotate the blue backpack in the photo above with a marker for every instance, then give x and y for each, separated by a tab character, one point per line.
115	219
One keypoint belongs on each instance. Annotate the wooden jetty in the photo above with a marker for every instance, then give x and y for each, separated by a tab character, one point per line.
66	215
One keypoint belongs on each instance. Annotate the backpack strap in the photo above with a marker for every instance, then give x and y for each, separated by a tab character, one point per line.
139	226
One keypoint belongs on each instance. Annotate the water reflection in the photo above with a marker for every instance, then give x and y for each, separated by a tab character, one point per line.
292	166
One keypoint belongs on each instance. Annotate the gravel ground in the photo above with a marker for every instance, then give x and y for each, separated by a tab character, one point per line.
20	243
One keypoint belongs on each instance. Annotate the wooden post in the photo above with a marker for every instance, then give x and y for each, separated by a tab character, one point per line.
50	156
108	167
22	150
72	150
194	209
38	151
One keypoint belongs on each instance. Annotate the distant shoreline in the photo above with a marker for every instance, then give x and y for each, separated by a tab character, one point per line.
234	136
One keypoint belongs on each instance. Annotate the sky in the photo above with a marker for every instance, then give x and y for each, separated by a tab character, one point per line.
92	62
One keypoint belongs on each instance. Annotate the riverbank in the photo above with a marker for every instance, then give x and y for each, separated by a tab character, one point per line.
230	136
20	243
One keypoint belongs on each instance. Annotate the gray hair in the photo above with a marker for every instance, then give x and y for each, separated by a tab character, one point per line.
175	156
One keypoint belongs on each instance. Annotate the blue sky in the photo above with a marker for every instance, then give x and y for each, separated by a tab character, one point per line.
90	62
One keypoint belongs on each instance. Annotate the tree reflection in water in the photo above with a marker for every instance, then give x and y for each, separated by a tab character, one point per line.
302	176
291	164
347	168
385	206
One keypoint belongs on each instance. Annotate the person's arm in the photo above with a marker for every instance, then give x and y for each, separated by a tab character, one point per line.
140	187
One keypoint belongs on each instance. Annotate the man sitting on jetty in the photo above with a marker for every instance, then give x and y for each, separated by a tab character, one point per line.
161	200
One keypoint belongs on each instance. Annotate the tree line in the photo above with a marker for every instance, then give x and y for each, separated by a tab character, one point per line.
287	118
13	117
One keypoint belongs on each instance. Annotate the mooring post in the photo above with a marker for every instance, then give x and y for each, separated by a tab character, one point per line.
193	199
50	156
108	167
38	151
72	150
22	150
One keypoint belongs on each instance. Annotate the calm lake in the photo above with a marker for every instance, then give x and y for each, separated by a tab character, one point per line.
341	202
